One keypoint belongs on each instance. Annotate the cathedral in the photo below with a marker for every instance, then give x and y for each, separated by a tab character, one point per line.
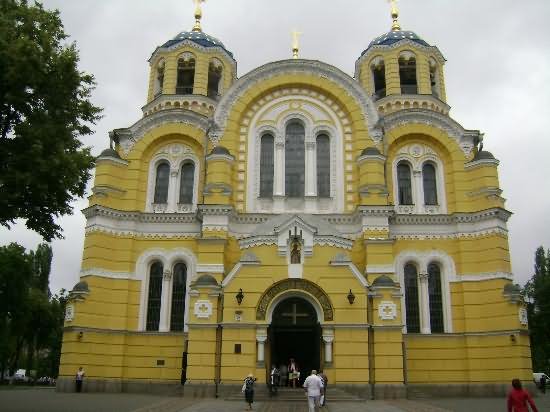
296	212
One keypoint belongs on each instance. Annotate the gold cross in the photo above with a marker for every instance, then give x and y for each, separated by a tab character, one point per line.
198	15
295	43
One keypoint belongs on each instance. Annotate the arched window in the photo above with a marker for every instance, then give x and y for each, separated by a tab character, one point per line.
436	300
179	283
266	166
186	75
294	160
215	69
154	296
379	77
159	78
430	184
323	166
187	183
411	299
404	183
434	80
407	74
161	183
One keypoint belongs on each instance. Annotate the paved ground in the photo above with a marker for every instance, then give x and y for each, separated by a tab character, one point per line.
47	400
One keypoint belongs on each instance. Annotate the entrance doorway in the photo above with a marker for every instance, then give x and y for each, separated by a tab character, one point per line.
295	333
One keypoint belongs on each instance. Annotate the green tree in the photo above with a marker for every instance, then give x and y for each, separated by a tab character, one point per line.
42	262
16	270
537	296
44	109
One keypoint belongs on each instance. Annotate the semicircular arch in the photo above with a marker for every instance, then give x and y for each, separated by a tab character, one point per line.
295	288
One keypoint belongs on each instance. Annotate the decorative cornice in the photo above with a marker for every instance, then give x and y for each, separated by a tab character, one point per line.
474	164
96	210
127	138
110	159
307	67
481	277
464	138
218	210
196	103
102	273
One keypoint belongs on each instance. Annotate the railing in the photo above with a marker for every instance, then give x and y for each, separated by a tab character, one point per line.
184	90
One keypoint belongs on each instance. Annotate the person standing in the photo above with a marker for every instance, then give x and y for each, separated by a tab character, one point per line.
79	379
518	398
313	386
248	390
324	379
543	384
292	372
274	380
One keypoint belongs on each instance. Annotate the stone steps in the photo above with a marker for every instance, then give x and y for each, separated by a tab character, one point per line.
294	395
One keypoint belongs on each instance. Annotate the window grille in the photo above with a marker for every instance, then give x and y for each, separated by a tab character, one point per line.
187	183
179	283
436	300
323	166
295	160
161	183
266	166
430	184
404	184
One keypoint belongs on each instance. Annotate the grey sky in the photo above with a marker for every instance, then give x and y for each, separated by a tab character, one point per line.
497	79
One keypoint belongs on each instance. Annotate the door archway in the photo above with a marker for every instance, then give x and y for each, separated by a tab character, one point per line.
295	332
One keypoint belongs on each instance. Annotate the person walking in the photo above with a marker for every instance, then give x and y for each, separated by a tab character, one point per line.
293	373
518	399
543	384
79	378
324	379
313	386
248	390
274	380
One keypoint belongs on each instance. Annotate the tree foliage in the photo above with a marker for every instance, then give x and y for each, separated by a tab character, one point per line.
537	296
31	321
44	108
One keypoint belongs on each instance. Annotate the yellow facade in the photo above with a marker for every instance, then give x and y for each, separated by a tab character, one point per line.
391	236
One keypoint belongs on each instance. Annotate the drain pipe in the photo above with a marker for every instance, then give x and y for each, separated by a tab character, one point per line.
218	358
372	376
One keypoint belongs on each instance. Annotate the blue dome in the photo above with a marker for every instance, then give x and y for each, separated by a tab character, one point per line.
198	37
392	37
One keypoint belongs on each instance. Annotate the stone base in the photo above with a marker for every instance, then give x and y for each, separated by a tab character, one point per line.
467	390
116	386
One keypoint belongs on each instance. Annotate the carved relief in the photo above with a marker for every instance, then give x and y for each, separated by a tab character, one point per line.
387	310
203	309
295	284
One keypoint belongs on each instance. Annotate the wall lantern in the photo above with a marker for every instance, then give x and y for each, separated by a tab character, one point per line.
240	296
351	297
80	335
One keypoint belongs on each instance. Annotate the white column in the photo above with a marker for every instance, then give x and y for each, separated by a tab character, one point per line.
311	171
164	323
424	297
418	191
328	338
261	337
279	169
172	191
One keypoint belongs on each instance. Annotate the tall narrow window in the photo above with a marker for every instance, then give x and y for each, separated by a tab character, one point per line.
404	184
379	76
159	80
154	296
411	299
323	166
161	183
266	166
430	184
295	160
436	301
407	75
433	81
187	184
214	78
179	283
186	76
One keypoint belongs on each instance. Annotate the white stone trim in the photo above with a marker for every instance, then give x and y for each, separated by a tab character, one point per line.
102	273
168	257
448	274
210	268
267	119
295	294
380	269
416	155
481	277
175	154
360	278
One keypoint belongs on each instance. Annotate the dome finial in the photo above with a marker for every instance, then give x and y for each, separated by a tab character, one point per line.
295	43
198	15
395	16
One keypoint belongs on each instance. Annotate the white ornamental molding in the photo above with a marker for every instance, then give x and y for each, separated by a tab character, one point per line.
387	310
69	313
203	309
523	319
311	68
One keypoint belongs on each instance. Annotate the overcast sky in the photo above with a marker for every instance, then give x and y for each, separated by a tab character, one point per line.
497	78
